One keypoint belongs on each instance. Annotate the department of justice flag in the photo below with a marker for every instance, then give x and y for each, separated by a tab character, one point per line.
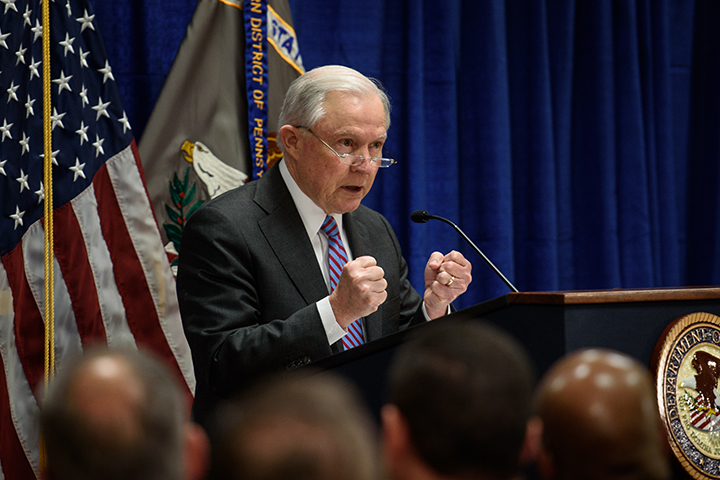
112	280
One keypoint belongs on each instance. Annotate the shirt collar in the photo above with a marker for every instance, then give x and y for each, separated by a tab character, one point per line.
311	215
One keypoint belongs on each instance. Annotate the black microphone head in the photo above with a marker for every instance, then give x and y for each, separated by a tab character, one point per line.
420	216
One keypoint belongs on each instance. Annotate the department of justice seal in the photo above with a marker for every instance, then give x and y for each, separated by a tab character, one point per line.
688	370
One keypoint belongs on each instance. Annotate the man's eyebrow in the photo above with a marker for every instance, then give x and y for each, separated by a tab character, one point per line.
346	133
350	133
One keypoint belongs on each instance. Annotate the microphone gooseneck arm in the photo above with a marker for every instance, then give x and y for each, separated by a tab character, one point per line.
422	216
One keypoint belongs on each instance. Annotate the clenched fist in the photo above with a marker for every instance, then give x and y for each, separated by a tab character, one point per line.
360	290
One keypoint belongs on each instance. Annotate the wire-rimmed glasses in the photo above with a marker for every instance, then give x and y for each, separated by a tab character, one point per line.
356	160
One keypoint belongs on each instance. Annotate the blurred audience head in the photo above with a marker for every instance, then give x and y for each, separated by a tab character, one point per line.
460	405
309	428
601	420
119	414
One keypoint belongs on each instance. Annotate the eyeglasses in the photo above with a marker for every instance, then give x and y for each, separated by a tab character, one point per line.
356	160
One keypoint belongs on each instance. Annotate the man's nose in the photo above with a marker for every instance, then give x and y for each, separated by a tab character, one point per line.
365	153
366	166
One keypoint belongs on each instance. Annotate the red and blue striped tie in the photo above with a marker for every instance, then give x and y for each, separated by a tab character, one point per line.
337	258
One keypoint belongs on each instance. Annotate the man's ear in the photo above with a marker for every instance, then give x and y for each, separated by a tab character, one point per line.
395	433
545	464
197	452
533	440
543	458
289	136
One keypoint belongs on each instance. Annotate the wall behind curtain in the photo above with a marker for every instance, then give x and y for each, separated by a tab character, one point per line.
576	142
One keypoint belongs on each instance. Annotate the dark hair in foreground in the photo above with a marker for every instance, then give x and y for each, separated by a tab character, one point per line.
309	428
142	439
465	390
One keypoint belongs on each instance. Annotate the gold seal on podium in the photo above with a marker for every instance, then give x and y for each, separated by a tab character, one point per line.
688	370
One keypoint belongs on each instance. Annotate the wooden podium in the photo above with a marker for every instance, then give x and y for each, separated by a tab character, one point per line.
548	324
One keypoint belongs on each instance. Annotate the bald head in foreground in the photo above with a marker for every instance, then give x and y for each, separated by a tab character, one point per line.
120	414
601	420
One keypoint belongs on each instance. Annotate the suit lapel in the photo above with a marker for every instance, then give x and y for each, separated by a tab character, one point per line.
285	233
357	236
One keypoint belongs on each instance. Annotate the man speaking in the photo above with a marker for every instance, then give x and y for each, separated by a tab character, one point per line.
291	268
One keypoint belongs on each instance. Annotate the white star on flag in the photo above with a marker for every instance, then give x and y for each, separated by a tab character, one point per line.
125	123
5	130
3	37
9	5
107	72
37	30
29	107
34	68
82	131
77	169
23	181
40	193
86	21
67	44
101	108
20	54
25	144
63	82
56	119
17	217
26	16
98	145
83	96
53	156
11	91
83	57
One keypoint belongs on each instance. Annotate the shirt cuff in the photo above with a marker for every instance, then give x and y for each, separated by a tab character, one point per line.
427	317
333	330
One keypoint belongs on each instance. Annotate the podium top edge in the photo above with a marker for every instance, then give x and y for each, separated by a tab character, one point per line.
618	295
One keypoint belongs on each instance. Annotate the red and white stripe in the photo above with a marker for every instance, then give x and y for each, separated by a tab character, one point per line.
700	419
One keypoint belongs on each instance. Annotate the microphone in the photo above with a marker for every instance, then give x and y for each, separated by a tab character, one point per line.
422	216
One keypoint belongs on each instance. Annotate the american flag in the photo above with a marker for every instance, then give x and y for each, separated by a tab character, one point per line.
112	278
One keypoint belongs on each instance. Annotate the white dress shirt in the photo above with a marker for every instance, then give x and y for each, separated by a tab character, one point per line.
313	218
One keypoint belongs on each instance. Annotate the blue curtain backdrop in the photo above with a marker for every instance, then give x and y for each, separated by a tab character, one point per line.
576	142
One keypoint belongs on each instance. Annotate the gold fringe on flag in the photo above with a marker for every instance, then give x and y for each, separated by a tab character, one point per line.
49	241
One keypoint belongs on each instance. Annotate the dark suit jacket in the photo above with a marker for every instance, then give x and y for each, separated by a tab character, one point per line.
248	281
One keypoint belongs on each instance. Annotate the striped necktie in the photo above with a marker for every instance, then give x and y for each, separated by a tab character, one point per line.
337	258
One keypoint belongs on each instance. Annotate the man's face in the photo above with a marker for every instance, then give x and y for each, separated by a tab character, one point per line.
353	125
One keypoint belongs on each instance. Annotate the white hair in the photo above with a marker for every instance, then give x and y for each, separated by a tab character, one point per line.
304	103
